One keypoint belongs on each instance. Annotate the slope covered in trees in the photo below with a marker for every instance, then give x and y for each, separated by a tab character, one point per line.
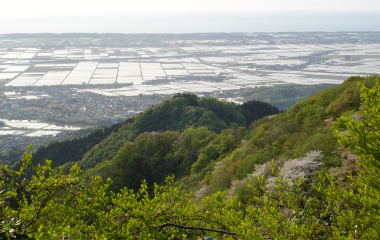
153	156
73	149
284	97
321	184
12	155
206	145
308	126
177	114
207	159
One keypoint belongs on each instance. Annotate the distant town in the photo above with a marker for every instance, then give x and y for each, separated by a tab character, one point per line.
53	84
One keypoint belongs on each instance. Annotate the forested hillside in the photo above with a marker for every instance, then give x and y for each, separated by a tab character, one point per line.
309	173
206	160
12	155
284	97
210	145
73	149
177	114
308	126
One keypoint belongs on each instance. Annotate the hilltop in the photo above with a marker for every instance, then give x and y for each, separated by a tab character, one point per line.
174	117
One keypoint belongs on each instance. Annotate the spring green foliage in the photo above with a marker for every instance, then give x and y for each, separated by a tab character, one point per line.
52	205
153	156
181	112
107	148
309	125
186	110
284	97
72	150
280	200
363	136
206	156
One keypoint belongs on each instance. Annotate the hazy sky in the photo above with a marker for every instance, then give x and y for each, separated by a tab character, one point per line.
187	15
17	7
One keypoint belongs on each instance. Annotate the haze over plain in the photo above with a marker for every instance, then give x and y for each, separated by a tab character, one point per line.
169	16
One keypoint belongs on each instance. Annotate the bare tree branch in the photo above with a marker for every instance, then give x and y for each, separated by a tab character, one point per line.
195	228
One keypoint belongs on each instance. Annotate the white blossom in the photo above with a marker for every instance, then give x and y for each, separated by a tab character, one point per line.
295	169
261	169
199	194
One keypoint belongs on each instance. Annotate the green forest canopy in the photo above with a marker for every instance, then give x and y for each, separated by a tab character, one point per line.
177	114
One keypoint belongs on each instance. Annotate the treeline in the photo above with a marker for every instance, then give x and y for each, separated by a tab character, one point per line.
12	155
73	149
